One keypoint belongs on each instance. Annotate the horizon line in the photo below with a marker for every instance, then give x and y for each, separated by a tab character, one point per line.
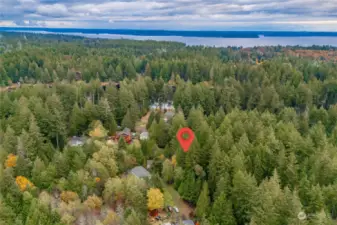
150	29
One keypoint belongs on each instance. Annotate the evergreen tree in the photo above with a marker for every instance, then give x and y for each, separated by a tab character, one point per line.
150	120
203	201
218	165
134	112
205	221
128	121
148	71
133	219
21	118
159	131
7	215
10	140
219	117
330	200
34	142
130	71
244	196
222	211
222	185
111	94
38	168
106	115
78	121
321	218
23	166
168	171
187	188
125	100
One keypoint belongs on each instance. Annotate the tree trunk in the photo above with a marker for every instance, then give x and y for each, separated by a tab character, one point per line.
57	141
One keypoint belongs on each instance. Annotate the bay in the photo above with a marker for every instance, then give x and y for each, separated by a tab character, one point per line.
203	38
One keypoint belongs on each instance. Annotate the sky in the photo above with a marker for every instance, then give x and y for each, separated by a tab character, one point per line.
262	15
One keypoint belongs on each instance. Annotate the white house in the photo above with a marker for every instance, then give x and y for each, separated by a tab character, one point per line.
76	141
165	106
144	135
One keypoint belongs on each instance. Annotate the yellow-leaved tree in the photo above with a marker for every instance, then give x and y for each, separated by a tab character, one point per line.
155	199
111	218
174	160
98	130
93	202
11	160
68	196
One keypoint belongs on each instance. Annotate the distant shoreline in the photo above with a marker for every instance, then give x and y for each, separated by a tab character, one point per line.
250	40
201	34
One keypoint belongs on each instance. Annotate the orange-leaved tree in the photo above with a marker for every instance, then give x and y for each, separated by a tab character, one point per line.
11	160
23	183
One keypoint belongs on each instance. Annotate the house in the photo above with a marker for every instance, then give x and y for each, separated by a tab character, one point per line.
144	135
166	106
126	131
140	172
188	222
149	164
78	75
154	106
76	141
168	116
126	134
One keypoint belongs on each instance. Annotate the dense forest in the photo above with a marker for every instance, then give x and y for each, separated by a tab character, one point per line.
265	151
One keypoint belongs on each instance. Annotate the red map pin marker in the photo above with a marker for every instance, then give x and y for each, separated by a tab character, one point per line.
185	137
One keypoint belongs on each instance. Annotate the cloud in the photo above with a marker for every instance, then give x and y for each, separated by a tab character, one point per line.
54	10
174	14
7	23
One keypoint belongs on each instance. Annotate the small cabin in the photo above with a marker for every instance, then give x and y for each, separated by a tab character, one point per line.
149	164
76	141
126	134
166	106
188	222
78	76
140	172
144	136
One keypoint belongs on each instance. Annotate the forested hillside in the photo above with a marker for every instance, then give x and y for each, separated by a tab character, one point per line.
265	122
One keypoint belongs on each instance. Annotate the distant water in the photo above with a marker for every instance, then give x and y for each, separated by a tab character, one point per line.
224	42
205	38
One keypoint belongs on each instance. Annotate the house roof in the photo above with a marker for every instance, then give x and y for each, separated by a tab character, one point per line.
169	114
140	172
188	222
125	131
76	140
165	105
149	163
144	133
